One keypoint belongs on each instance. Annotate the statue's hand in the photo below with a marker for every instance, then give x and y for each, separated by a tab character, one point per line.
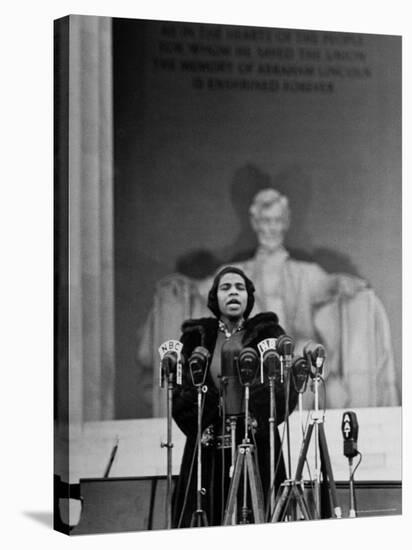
349	285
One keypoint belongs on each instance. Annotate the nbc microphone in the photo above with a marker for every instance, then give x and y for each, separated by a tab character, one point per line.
270	364
170	362
171	370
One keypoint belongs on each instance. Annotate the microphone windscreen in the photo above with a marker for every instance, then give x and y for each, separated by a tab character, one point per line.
300	373
248	365
169	362
314	350
198	363
200	354
271	364
285	345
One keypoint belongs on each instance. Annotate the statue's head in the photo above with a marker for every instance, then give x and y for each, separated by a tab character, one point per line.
270	218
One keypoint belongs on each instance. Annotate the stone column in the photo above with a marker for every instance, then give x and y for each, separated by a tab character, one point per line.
90	220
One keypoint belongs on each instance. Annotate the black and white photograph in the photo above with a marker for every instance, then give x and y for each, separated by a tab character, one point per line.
228	215
227	337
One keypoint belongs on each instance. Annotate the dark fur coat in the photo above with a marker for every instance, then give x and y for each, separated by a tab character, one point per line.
215	462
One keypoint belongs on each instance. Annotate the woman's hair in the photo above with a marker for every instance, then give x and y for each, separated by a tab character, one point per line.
212	302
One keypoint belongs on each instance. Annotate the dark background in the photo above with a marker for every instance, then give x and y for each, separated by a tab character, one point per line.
188	161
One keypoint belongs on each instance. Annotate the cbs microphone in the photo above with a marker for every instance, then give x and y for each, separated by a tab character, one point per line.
198	363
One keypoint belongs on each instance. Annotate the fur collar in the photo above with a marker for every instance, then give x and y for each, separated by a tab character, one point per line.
254	326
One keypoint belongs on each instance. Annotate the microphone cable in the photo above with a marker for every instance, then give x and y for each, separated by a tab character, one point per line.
357	465
271	487
352	478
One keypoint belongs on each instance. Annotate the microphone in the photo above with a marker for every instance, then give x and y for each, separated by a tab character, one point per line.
247	366
285	346
270	364
198	363
170	361
232	390
300	374
315	353
350	429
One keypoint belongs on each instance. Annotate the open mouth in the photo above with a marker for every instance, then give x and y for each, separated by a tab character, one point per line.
233	302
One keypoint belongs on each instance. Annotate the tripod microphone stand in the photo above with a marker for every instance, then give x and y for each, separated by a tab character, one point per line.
293	488
198	362
315	355
170	370
245	459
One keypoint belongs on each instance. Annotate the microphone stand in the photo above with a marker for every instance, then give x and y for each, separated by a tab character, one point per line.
169	447
246	464
245	510
287	360
350	429
293	488
321	447
316	417
272	449
233	422
170	368
269	362
300	373
199	518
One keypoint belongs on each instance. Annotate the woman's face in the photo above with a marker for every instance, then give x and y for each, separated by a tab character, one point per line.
232	296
